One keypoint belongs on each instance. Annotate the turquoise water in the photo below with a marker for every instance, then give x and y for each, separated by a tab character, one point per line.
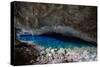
55	42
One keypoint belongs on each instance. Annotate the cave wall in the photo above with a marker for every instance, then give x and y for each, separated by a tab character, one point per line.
37	15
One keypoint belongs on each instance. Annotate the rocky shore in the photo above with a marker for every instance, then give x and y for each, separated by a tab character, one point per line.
64	55
33	54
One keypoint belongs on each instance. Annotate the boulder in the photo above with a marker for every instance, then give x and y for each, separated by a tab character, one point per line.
25	54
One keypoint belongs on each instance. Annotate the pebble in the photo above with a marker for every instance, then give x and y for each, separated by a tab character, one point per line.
54	55
61	50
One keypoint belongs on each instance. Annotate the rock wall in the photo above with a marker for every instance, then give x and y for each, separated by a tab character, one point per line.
36	16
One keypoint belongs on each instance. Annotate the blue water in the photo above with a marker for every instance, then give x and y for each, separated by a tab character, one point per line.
47	41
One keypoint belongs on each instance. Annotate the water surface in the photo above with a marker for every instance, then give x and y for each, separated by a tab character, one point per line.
56	41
